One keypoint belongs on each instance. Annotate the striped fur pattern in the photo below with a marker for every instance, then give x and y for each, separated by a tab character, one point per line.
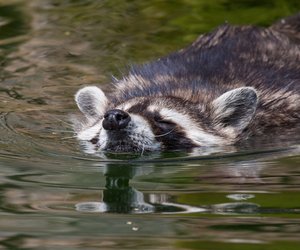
229	85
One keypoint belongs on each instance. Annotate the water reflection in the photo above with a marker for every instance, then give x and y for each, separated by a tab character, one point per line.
236	208
120	197
49	49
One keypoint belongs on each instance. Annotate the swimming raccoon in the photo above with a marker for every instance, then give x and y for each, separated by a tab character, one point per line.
229	85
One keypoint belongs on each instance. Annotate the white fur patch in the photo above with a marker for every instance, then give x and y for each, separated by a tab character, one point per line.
139	134
192	131
240	101
140	131
103	138
127	105
91	101
90	132
221	103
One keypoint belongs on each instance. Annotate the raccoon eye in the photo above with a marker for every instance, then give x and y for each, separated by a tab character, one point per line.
166	122
163	122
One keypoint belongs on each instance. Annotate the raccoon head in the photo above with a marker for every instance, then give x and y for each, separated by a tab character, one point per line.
153	123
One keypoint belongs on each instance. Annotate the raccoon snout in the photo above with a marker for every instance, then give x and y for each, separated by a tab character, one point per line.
115	119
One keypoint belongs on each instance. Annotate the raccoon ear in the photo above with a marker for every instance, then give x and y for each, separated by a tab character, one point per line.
233	110
91	101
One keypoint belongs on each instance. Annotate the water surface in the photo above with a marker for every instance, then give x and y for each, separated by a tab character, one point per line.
55	196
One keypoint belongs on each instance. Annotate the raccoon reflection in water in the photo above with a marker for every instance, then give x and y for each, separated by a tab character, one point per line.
235	83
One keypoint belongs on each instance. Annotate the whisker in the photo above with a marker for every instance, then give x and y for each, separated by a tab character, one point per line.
165	133
100	144
62	121
143	149
68	138
61	131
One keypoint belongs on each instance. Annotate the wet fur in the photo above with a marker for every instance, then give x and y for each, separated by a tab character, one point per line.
231	57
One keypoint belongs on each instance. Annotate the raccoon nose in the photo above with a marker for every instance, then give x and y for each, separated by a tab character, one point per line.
115	119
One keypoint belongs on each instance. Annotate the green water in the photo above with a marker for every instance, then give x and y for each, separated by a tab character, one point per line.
54	196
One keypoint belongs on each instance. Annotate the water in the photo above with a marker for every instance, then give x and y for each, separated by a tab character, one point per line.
54	196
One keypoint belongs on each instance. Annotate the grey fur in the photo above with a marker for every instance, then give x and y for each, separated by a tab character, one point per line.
229	85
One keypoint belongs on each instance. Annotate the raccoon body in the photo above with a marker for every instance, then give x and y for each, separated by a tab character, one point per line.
234	83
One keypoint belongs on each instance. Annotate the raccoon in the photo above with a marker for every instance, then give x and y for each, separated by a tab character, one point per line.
232	84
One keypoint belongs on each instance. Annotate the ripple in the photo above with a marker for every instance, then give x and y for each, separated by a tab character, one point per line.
141	208
4	116
240	197
59	180
21	138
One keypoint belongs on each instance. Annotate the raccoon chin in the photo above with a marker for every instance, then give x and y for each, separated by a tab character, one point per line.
119	148
120	142
126	147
